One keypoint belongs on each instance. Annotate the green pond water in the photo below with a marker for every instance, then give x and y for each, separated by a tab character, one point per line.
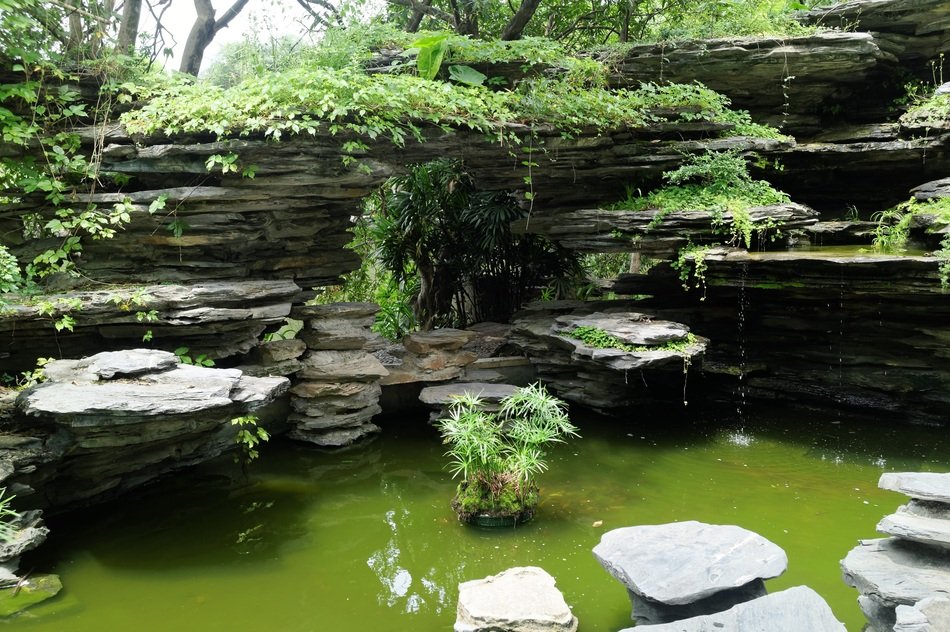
364	539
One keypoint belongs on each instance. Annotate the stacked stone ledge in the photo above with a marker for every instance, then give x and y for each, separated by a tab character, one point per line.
336	391
904	579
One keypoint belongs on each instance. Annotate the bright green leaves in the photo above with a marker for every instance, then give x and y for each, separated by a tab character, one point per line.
466	75
431	51
249	435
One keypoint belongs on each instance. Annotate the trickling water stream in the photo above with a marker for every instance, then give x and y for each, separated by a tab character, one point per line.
364	539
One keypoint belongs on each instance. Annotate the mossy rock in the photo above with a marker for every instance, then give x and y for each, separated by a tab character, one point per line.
28	593
476	505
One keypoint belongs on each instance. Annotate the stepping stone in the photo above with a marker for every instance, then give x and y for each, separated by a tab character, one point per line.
685	569
929	615
932	486
794	610
521	599
909	526
891	572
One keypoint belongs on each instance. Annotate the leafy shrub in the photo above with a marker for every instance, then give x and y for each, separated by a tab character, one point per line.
499	455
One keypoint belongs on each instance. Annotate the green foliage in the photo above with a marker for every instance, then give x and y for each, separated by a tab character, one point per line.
605	265
691	261
499	455
601	339
27	379
8	515
393	106
249	435
200	360
434	226
718	182
894	225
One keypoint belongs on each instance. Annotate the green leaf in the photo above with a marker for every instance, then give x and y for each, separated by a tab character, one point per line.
467	75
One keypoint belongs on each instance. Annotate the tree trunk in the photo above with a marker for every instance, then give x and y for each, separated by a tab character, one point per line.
203	31
129	27
519	20
415	20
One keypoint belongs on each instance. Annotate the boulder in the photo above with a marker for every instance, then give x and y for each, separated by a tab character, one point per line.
797	609
927	615
440	398
932	486
684	569
521	599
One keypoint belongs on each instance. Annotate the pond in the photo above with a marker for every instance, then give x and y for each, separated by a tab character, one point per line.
364	538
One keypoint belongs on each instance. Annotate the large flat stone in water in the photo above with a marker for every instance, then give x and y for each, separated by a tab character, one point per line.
683	562
28	592
897	572
797	609
931	486
521	599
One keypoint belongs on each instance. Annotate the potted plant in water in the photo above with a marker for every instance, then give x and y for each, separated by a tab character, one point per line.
498	455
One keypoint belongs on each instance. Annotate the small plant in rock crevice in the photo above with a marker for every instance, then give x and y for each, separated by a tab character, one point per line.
602	339
249	436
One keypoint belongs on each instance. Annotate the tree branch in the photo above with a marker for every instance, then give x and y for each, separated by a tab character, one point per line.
229	15
431	11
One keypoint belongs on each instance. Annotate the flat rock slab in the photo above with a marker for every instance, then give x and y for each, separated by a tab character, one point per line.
895	572
932	486
445	394
929	615
520	599
112	364
29	592
908	526
794	610
683	562
629	328
423	342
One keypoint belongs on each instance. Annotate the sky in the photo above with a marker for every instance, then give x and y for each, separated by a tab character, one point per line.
260	17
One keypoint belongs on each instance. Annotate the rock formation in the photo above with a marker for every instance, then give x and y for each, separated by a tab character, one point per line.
102	425
337	390
904	579
607	379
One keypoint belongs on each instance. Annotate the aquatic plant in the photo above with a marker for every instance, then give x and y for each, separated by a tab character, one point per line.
499	455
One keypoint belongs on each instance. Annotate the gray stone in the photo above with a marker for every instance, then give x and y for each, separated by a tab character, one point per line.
424	342
349	366
893	572
521	599
927	615
444	395
906	525
335	438
931	486
683	563
30	533
797	609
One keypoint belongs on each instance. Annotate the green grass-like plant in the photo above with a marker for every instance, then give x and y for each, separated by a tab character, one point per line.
894	225
499	455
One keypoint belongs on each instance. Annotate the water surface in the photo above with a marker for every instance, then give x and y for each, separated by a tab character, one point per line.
364	539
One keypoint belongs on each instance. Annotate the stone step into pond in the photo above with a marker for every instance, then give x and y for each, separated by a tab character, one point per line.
904	580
